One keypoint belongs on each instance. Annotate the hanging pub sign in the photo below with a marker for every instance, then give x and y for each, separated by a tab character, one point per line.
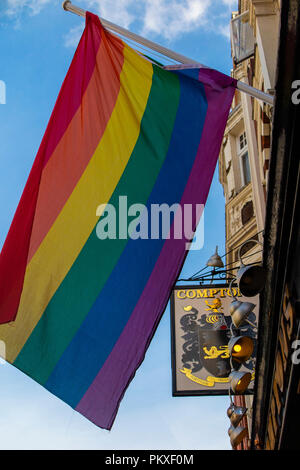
200	330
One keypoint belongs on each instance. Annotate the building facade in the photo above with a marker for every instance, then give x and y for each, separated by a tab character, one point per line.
244	161
245	155
276	403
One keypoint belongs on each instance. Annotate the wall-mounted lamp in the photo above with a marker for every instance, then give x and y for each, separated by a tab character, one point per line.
239	312
236	431
215	260
250	279
239	381
236	414
237	435
240	348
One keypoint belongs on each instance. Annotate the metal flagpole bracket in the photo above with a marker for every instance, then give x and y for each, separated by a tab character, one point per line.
254	92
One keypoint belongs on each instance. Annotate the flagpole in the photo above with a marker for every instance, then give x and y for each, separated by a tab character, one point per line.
244	87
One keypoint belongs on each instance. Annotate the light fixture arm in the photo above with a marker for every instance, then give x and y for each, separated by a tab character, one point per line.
251	324
240	248
235	298
230	397
230	288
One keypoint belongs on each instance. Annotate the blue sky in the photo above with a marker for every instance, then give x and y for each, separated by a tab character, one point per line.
37	42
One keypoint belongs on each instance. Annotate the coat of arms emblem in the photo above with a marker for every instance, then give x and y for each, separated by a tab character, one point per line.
205	356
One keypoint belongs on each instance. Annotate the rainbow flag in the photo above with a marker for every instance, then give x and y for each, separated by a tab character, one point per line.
83	308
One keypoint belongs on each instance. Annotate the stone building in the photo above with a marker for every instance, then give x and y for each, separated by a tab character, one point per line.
245	154
244	159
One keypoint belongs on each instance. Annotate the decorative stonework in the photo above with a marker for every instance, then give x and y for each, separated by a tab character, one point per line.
239	212
235	221
265	7
238	215
247	212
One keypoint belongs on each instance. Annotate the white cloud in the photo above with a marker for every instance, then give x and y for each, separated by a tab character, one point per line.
225	30
230	3
166	18
122	12
170	18
71	39
16	7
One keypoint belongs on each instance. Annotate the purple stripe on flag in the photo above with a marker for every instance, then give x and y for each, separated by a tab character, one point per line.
101	401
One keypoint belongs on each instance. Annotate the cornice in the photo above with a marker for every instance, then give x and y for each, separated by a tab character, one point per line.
234	118
243	234
245	192
265	7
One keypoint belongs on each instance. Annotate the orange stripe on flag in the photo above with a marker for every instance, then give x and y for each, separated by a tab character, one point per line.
80	140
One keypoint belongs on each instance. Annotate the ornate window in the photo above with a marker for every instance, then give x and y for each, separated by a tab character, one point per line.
243	141
247	212
242	38
243	156
245	167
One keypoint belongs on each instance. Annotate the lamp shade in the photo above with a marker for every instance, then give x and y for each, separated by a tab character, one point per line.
239	311
239	381
251	279
238	412
215	260
237	435
241	348
230	410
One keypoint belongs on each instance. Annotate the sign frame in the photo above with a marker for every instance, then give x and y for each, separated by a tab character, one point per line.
200	392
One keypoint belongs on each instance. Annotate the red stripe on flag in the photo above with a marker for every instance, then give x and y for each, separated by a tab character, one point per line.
13	257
